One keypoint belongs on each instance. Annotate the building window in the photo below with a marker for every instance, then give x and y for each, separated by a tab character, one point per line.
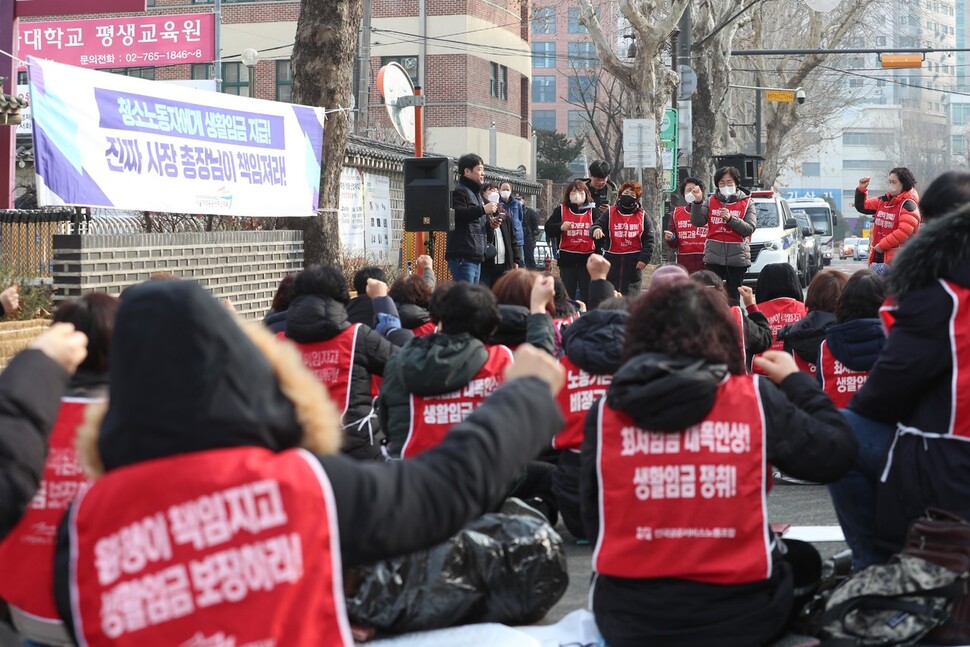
811	169
284	81
582	89
577	124
543	89
200	71
583	55
575	27
409	63
544	20
861	165
499	82
543	55
961	113
957	146
235	79
138	72
544	119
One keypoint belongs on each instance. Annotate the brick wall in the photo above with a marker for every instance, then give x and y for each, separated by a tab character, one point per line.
244	266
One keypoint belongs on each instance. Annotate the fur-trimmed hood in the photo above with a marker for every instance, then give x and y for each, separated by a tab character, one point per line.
941	250
185	376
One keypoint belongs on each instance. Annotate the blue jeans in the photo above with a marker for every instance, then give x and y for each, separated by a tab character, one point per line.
854	495
463	269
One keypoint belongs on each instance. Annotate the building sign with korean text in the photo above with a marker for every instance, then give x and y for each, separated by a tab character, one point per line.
106	140
138	41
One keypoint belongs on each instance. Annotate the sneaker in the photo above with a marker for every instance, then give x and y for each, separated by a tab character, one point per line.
516	506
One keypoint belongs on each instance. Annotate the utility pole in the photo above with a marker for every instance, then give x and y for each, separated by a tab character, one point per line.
8	135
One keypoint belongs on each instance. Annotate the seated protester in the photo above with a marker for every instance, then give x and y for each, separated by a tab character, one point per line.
218	415
804	337
566	310
411	296
593	347
915	398
667	273
518	324
31	387
9	301
630	239
658	585
342	355
755	333
359	309
778	296
275	319
852	345
600	288
27	553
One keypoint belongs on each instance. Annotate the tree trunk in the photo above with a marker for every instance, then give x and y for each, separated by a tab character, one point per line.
324	54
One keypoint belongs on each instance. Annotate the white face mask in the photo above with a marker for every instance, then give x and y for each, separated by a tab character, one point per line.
727	191
688	197
505	194
492	197
577	198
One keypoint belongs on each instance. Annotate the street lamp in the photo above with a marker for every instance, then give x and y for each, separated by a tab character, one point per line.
249	58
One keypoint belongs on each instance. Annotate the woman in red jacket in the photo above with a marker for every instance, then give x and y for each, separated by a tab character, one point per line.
897	213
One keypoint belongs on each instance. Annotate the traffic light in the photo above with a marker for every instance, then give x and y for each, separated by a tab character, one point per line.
901	61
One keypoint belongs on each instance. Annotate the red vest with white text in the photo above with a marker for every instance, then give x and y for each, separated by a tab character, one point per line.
839	382
223	547
690	504
27	553
331	361
804	365
738	315
886	219
690	239
576	239
780	312
717	229
625	231
433	415
960	352
576	398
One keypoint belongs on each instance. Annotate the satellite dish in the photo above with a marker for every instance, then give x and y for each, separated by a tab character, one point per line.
395	84
822	6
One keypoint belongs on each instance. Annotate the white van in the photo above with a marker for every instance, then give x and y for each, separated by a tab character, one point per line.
777	238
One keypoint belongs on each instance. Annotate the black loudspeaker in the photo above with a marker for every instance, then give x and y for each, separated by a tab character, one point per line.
428	183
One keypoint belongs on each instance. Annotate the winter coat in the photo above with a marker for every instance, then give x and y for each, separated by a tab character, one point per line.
518	326
606	195
413	316
530	225
513	252
719	252
623	267
857	343
805	336
467	239
919	379
515	211
312	319
162	405
360	310
275	321
896	219
804	435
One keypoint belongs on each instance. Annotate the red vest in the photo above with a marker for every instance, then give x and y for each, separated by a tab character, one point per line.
690	504
804	365
738	315
625	231
560	323
717	229
433	415
577	239
230	547
424	329
838	382
886	219
780	312
332	361
690	239
576	398
27	553
960	352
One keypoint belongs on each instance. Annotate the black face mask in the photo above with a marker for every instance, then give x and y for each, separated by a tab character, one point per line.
627	204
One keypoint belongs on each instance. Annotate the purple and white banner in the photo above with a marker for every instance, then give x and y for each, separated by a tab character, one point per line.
105	140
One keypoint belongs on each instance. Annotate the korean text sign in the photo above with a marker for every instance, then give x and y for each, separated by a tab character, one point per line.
106	140
136	41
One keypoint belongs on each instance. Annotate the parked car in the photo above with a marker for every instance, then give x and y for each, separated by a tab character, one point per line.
848	248
861	249
823	220
777	239
811	244
543	250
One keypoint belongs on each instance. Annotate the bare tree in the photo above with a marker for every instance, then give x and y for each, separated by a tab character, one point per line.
603	106
324	52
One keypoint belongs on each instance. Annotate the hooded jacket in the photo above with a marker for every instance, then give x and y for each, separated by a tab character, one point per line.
189	379
805	336
889	233
804	435
856	343
313	318
915	382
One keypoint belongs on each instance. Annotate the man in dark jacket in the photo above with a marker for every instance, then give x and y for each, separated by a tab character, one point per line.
177	348
466	243
530	233
359	308
601	188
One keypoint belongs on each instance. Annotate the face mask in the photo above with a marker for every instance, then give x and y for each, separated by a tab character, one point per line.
688	197
577	198
627	203
505	194
727	191
492	197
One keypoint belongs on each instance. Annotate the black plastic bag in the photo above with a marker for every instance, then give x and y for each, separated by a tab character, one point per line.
499	568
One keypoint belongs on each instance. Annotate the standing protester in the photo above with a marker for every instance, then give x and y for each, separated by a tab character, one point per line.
501	253
530	233
630	239
466	242
730	218
571	221
601	188
662	576
513	208
896	216
683	237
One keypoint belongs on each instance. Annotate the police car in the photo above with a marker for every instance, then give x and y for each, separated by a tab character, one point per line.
777	238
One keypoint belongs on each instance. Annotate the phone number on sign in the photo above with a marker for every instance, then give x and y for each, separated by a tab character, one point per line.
151	57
